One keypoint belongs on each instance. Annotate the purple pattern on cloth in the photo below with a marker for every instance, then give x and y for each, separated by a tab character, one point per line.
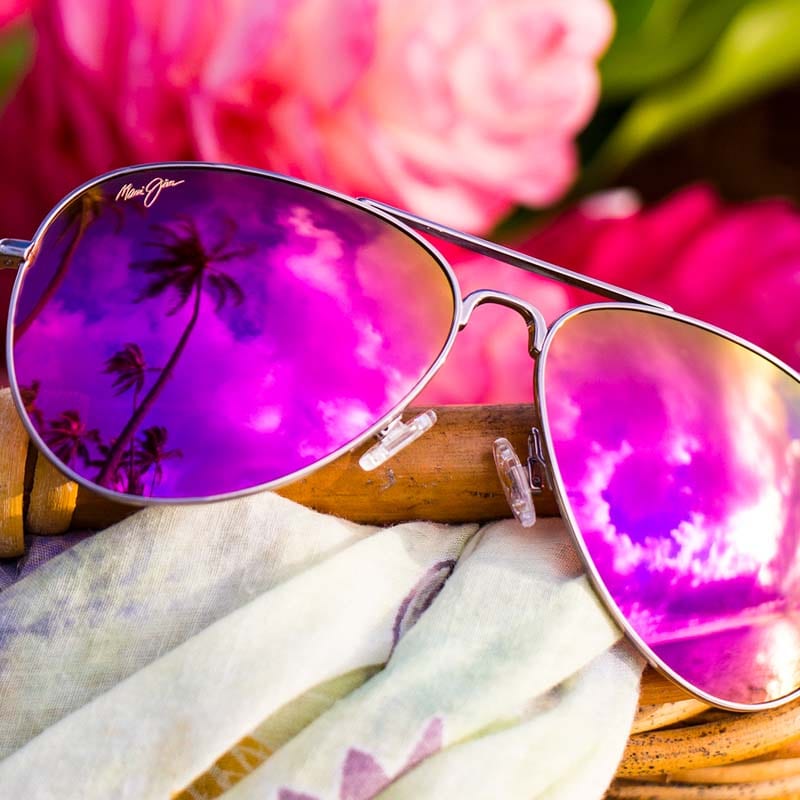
419	599
234	330
38	550
362	775
680	455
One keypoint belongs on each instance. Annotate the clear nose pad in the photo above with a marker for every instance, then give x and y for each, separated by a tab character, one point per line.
515	480
394	437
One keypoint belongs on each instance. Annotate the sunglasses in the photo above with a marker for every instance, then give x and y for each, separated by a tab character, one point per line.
189	332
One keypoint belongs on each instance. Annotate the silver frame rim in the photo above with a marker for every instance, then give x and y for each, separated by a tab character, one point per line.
577	538
395	412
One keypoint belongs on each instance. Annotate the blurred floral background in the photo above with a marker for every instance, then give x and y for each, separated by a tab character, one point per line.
651	143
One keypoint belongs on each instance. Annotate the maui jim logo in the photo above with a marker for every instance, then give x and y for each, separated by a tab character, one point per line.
148	193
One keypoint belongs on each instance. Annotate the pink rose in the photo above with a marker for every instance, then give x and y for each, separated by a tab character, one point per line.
457	109
736	266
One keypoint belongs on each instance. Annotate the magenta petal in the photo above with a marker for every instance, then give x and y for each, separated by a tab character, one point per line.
362	776
290	794
429	743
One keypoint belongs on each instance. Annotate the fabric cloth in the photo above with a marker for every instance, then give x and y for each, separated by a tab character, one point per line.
38	550
255	648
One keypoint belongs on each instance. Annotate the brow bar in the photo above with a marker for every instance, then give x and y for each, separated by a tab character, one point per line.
508	256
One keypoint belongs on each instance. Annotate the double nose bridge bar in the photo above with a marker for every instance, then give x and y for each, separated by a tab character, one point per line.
516	259
534	319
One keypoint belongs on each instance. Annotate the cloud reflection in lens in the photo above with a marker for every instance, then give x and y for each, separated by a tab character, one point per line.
680	454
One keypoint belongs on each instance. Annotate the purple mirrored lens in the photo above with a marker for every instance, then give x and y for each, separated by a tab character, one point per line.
190	331
679	456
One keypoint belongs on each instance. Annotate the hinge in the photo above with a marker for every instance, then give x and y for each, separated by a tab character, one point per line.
537	466
13	252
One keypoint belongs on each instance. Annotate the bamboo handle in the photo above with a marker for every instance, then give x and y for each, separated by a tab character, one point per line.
657	690
729	739
661	715
448	475
787	788
13	453
52	500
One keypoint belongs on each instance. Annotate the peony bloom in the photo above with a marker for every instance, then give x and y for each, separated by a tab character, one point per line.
736	266
457	109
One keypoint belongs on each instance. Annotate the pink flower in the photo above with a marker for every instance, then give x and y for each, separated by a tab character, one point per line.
12	10
457	109
363	776
737	267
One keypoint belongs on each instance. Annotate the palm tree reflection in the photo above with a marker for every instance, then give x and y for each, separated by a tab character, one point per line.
78	217
69	438
151	452
185	268
30	399
130	368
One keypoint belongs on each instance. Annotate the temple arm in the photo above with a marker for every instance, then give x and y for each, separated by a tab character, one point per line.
516	259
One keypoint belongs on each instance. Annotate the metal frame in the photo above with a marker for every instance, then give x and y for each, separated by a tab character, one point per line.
566	510
17	253
27	252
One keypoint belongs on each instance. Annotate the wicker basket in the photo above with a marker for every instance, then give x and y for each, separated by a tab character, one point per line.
679	747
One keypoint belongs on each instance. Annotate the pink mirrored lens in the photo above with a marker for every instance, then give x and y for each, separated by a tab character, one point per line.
189	332
679	453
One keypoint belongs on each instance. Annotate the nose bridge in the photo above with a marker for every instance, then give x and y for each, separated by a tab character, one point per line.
534	319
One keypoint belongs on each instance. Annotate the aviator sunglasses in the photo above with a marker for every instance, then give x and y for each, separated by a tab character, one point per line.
188	332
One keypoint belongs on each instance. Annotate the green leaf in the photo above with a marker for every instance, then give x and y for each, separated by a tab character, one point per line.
757	52
16	49
657	40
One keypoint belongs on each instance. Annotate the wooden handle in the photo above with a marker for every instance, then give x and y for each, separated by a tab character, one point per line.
12	478
447	475
730	738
